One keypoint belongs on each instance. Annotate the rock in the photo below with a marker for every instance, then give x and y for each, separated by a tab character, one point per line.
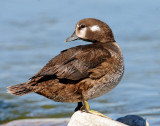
133	120
86	119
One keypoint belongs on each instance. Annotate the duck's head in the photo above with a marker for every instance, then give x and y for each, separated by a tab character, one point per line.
92	30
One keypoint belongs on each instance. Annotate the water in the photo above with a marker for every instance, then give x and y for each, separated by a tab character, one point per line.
33	31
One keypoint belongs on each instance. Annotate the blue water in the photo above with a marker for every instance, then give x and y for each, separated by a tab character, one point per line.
33	31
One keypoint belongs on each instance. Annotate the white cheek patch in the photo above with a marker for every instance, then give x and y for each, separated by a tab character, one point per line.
82	33
95	28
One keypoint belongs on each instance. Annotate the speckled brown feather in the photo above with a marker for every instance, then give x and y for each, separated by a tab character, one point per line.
66	90
75	62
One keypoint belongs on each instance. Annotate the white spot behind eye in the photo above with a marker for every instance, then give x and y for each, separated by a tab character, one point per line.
95	28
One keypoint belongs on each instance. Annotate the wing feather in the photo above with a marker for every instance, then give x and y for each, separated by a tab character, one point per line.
75	63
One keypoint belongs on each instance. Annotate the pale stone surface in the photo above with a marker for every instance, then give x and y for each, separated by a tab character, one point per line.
86	119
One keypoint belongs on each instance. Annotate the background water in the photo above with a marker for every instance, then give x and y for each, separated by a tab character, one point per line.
33	31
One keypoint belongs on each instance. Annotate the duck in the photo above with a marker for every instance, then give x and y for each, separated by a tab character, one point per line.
80	73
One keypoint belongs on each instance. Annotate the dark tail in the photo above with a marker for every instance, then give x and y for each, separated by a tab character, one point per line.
19	89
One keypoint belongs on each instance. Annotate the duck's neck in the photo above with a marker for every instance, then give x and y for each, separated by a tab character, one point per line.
109	42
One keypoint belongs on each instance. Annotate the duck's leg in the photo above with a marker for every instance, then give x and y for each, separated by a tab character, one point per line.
86	108
79	106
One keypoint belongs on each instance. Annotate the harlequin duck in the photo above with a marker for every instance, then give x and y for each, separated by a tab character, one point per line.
80	73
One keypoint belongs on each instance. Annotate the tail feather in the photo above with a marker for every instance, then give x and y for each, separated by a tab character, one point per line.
19	89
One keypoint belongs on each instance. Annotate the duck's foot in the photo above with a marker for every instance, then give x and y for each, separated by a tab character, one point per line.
86	108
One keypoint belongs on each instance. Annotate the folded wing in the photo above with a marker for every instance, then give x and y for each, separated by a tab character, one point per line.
75	63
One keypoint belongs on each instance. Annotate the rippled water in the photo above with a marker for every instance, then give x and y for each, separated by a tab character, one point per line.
33	31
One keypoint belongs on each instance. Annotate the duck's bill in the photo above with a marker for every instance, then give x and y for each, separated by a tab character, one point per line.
73	37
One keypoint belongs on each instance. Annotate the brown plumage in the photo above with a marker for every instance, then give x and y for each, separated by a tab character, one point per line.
82	72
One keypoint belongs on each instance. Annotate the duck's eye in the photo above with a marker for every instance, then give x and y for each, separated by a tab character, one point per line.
82	26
